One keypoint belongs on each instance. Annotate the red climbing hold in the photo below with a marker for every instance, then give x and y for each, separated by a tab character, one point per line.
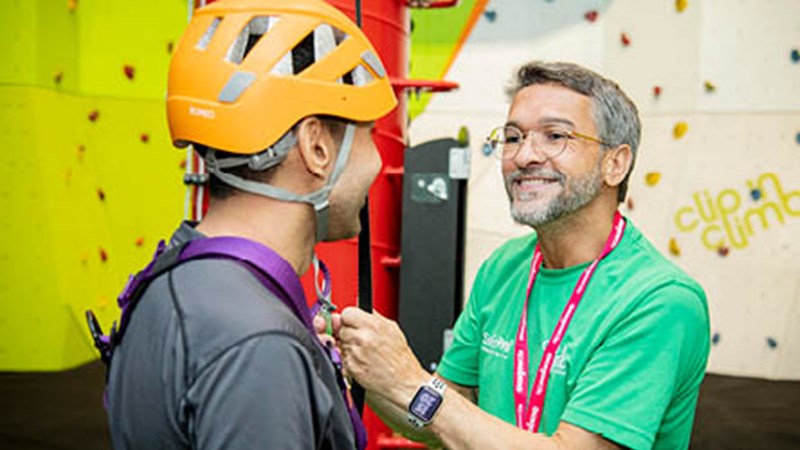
129	71
140	241
591	16
625	39
723	251
656	91
94	115
103	255
145	138
101	195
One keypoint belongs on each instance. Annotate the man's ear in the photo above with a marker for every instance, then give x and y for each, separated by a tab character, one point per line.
314	146
616	164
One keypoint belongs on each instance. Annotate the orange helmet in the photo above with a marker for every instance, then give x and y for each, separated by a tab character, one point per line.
234	86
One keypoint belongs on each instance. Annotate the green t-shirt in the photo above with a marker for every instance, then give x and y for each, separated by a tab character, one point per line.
631	363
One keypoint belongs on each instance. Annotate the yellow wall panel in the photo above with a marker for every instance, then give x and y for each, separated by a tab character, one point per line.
72	188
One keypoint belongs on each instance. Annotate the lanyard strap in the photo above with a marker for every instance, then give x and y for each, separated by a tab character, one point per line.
529	412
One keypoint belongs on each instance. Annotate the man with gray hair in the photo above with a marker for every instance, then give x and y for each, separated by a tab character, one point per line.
578	336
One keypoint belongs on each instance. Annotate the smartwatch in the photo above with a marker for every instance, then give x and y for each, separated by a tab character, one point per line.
426	402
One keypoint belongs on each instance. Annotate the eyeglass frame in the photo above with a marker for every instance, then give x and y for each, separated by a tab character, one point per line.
571	134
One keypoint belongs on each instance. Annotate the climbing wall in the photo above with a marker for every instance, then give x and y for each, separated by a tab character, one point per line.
715	185
90	181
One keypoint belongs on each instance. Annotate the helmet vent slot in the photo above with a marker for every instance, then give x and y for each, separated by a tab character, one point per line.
312	48
249	36
358	76
206	38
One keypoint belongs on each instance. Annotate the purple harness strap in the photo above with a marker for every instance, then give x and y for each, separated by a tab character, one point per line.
272	271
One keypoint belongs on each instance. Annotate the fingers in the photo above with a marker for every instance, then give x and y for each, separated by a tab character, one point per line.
319	324
354	317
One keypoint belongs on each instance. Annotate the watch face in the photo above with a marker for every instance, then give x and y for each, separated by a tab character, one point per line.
425	403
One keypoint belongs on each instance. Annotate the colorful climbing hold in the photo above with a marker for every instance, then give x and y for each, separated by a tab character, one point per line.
94	115
490	15
709	86
591	16
463	136
652	178
795	55
656	91
72	5
629	203
129	71
715	339
103	255
673	247
772	343
139	241
625	39
145	138
101	195
797	138
487	149
755	194
170	47
723	251
58	76
680	129
182	164
680	5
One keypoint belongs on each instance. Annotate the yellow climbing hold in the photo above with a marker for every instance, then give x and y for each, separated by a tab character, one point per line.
652	178
680	5
673	247
680	129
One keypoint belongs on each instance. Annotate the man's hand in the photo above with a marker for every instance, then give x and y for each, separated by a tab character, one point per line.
375	353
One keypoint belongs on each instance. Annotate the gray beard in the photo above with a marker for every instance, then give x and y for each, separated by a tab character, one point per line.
575	195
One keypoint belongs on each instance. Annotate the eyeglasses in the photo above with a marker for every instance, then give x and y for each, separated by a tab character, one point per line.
505	141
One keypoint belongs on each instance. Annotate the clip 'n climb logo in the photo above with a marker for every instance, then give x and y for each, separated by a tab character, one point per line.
723	219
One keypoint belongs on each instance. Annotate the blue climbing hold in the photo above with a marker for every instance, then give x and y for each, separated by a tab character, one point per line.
756	194
487	149
772	343
795	56
797	138
715	339
490	15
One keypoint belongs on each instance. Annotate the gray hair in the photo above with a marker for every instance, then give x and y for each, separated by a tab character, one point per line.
615	115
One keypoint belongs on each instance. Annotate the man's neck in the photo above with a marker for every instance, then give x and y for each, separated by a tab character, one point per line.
285	227
578	238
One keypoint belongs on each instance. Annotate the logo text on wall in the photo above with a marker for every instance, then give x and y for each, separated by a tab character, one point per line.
726	220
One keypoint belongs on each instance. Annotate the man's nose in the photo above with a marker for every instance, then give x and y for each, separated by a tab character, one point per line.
529	151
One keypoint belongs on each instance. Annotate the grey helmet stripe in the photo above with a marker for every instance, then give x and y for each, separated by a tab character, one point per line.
236	85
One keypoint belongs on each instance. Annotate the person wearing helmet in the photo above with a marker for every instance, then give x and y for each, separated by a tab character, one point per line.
279	98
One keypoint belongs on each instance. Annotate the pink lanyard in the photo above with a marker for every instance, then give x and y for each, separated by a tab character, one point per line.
529	418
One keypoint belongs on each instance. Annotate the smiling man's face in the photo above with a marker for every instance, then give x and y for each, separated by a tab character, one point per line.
542	189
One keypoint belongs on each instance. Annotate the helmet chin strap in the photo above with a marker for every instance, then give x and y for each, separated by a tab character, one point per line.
319	200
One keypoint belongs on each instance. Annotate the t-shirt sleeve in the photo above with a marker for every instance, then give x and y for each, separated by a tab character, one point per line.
262	393
657	352
460	362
